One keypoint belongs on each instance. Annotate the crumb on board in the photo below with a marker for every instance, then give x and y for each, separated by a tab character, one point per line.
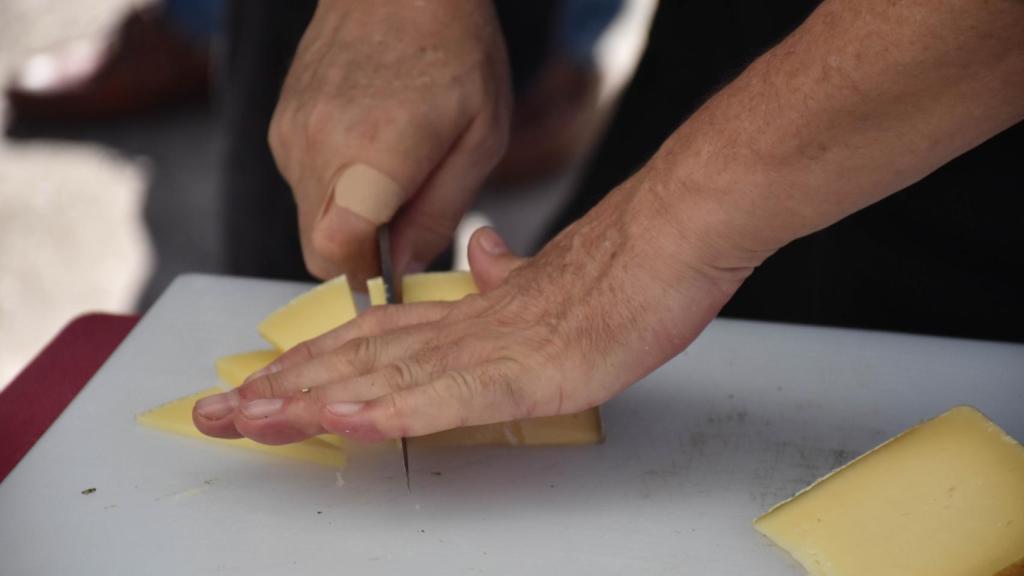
88	491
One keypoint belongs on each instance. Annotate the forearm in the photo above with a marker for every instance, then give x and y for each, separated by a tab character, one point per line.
862	100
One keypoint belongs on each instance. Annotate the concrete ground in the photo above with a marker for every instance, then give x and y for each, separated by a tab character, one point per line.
103	218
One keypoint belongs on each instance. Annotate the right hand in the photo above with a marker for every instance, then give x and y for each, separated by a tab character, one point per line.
415	95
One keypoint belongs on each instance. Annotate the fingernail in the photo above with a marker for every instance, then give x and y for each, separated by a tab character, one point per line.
262	408
369	193
345	408
217	406
492	243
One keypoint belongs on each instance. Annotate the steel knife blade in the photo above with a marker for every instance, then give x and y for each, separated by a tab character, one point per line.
392	290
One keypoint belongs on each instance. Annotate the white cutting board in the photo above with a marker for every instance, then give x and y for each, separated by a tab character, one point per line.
751	413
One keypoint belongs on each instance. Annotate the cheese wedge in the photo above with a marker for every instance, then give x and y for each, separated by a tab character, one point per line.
176	417
234	369
323	308
945	498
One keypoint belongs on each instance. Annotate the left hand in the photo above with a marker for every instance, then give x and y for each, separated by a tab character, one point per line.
600	307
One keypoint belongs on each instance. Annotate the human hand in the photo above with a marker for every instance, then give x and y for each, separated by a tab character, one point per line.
598	309
390	105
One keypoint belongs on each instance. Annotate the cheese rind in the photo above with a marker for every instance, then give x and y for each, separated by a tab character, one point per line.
176	417
945	498
234	369
320	310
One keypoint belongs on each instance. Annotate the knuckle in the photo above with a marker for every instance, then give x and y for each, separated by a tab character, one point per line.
301	352
361	354
276	384
399	375
319	119
463	385
511	391
277	133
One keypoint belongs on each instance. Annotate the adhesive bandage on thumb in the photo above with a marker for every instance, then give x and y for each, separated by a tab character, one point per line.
369	193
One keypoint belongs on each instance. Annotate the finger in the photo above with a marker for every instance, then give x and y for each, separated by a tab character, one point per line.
354	358
284	420
490	259
481	395
426	224
214	415
277	420
373	322
369	168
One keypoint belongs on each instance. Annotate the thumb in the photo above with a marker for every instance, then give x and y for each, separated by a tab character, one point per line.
490	259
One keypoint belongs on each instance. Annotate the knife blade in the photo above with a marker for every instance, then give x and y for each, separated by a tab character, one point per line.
392	291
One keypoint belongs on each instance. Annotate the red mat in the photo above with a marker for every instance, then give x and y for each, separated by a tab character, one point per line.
37	396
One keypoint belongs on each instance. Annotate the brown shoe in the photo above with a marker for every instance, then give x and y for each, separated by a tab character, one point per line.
147	65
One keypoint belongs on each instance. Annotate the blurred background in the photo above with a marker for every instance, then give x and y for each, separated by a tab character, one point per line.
113	156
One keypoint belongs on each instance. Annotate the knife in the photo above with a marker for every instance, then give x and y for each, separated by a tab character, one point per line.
391	287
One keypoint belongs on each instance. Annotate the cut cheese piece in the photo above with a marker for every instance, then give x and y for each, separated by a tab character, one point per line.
234	369
378	291
176	417
945	498
330	305
323	308
565	430
437	287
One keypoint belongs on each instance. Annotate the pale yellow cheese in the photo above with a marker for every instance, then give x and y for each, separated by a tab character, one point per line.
437	287
565	430
176	417
945	498
234	369
378	291
323	308
330	305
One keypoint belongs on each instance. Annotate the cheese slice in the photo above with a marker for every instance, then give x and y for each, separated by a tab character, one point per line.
330	305
176	417
320	310
234	369
945	498
437	287
378	291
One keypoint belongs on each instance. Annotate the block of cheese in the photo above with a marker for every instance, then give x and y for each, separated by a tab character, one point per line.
176	417
234	369
323	308
437	287
565	430
945	498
